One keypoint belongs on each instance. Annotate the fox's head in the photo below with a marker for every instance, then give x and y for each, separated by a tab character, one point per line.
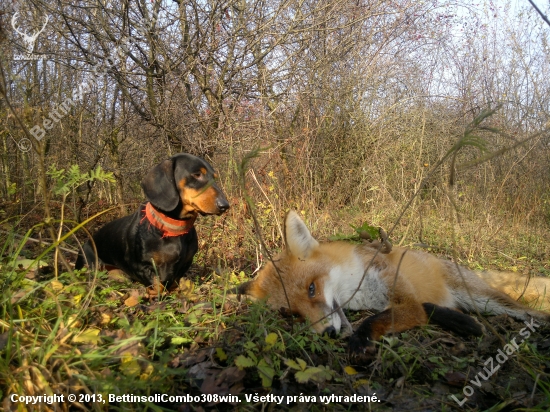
299	279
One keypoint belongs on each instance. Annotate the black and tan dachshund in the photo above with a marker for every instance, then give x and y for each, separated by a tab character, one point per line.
158	242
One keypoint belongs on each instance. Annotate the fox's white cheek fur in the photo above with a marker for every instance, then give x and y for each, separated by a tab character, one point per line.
335	321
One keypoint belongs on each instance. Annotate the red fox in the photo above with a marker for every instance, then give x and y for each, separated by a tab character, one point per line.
407	287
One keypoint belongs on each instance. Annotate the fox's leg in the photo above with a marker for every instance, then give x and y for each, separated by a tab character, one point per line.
394	319
405	312
376	326
453	320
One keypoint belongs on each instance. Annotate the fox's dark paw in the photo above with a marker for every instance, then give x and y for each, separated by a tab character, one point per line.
360	346
453	320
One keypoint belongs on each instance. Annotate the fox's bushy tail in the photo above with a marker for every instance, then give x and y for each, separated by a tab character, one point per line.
533	291
497	293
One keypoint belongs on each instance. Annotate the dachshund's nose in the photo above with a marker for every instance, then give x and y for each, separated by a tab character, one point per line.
330	331
222	204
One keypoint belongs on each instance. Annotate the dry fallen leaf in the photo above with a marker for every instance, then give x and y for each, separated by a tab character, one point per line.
88	336
129	365
117	275
56	285
73	322
147	371
133	299
187	287
350	370
105	319
17	296
455	378
224	382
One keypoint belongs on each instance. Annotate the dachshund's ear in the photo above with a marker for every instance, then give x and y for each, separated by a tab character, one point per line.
160	187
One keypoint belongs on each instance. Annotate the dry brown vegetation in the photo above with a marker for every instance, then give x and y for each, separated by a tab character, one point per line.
349	107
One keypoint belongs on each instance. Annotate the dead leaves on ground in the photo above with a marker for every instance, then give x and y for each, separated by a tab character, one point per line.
133	298
207	375
185	290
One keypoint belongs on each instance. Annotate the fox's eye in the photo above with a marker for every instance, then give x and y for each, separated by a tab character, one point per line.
312	290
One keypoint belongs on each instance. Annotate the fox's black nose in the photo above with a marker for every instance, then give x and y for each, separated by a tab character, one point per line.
222	204
330	331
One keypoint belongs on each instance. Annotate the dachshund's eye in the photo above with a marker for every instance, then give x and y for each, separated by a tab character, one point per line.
196	175
312	290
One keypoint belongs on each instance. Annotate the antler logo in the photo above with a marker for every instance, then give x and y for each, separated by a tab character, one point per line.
29	40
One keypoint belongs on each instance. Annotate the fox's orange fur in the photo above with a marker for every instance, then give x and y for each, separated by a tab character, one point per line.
406	286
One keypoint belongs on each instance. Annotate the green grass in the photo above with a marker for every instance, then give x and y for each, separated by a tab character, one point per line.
82	333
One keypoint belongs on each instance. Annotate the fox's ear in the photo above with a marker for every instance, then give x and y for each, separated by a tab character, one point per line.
243	288
299	241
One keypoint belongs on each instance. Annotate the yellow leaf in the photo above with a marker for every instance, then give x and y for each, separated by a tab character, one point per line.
129	365
221	354
40	381
360	382
350	370
186	286
73	322
271	339
149	369
29	264
88	336
293	364
77	299
56	285
105	319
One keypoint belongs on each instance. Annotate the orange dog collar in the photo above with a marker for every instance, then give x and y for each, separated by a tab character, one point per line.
168	226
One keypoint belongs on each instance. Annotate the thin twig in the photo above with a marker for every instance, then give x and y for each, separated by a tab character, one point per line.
30	239
540	12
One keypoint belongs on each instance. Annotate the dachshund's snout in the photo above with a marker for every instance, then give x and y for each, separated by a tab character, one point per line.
222	204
